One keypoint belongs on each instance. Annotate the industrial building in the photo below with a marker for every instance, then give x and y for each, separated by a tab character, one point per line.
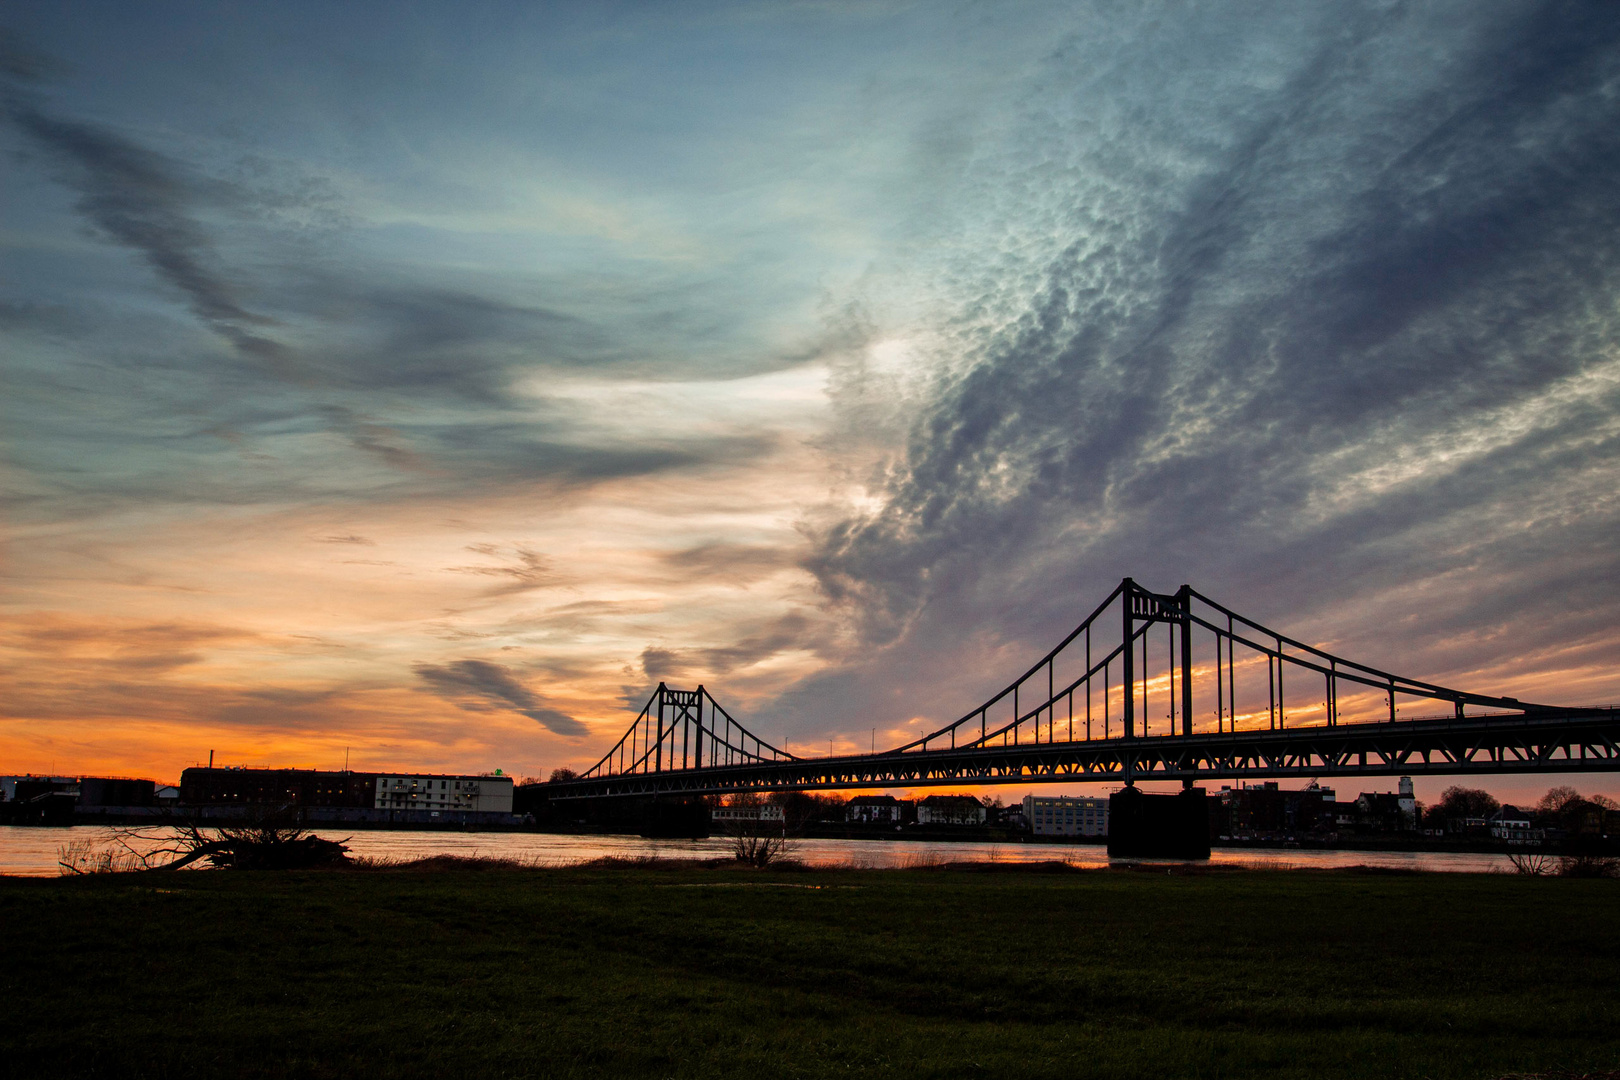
276	787
355	797
33	785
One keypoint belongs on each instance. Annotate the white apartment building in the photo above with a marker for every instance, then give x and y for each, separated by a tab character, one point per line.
875	809
490	794
1066	815
768	812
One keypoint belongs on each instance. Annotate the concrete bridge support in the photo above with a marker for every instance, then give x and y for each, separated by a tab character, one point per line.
1158	826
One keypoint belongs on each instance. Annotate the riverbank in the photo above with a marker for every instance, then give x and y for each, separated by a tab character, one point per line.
694	971
351	821
34	851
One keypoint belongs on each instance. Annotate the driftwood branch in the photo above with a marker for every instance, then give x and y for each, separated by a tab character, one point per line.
268	838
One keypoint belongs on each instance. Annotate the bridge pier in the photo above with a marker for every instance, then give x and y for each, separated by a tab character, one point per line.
675	819
1158	826
663	817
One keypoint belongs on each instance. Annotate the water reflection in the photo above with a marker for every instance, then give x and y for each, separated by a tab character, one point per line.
32	852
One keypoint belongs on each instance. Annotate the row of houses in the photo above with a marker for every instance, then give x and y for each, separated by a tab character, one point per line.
876	810
1260	811
1042	815
933	810
1519	827
1267	812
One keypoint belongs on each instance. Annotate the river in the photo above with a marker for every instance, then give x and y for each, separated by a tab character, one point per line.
33	851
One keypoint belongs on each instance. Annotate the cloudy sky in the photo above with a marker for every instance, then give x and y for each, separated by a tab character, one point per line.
429	381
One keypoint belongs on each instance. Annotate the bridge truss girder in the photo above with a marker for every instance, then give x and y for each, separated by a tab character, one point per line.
1568	741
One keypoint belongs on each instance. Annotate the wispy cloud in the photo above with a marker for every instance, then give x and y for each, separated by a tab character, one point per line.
528	570
1353	262
480	685
147	203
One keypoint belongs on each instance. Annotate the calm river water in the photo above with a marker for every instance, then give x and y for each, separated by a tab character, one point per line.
33	852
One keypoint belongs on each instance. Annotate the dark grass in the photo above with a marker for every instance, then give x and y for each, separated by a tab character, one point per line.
658	971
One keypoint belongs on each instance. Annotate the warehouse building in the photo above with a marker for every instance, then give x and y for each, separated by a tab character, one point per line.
276	787
357	797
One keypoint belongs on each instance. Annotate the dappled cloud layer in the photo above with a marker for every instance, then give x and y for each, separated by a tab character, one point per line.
426	389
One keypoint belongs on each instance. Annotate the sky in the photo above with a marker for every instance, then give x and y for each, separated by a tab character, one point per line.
419	385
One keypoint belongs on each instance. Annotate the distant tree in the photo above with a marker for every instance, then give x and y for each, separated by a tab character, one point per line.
1553	803
801	807
1565	808
563	774
1461	802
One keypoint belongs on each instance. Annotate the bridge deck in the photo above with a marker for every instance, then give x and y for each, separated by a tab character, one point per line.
1542	742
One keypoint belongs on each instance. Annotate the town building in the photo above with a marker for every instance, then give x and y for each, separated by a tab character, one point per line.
1513	826
1381	811
478	794
1408	803
1066	815
1266	812
875	810
950	810
767	812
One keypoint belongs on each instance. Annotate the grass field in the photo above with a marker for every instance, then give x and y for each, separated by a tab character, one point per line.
701	972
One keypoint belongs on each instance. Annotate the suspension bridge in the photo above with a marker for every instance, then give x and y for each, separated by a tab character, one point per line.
1150	686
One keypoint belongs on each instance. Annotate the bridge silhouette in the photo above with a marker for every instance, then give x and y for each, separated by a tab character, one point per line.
1150	686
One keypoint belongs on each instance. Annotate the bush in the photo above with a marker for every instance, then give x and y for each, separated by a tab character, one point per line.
1530	863
1589	866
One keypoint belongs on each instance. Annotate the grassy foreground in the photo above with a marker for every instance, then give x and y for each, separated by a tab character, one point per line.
700	972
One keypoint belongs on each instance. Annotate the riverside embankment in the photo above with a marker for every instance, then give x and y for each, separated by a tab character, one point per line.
33	851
